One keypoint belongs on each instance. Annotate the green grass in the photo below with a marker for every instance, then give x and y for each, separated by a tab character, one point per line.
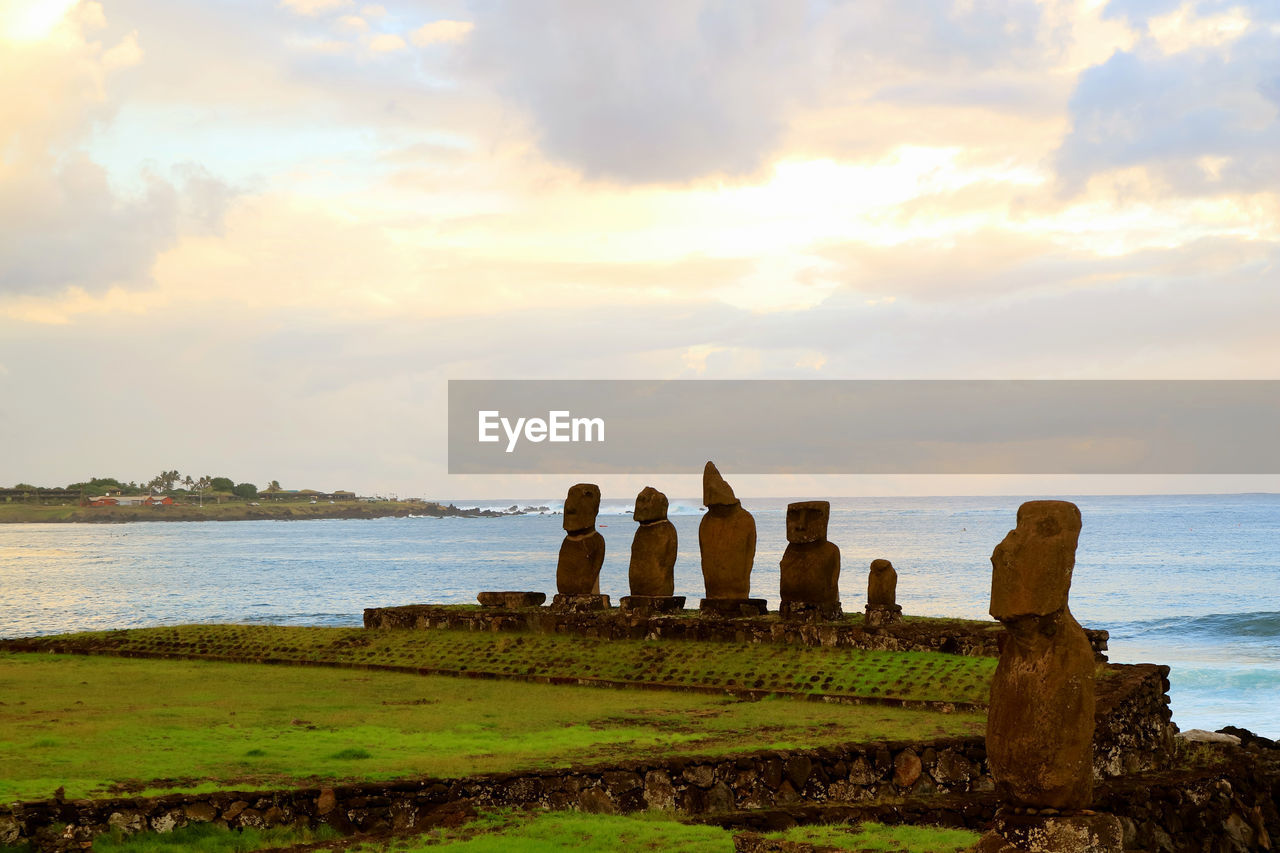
772	667
209	838
878	837
557	831
89	723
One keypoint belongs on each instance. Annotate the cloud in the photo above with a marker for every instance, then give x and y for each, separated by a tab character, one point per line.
353	23
386	43
124	54
678	91
1203	119
437	32
64	221
311	8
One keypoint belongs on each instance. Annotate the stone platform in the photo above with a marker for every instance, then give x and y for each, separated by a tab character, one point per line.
954	636
734	607
807	611
512	600
645	604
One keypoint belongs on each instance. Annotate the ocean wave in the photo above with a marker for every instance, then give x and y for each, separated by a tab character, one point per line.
1257	624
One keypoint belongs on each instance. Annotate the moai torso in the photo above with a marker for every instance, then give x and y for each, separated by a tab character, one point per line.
810	566
726	538
882	584
1040	724
653	550
582	551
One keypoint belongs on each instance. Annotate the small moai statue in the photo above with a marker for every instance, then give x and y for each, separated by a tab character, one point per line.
1041	718
582	552
727	541
882	595
653	550
810	567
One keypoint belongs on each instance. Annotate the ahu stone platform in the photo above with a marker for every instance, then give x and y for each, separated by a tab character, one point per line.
952	636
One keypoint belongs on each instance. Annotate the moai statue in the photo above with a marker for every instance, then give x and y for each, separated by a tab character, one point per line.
653	550
727	540
882	595
582	552
810	566
1040	724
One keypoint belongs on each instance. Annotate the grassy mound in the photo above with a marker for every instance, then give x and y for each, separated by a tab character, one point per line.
775	668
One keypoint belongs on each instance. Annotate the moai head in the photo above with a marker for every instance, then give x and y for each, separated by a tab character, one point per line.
715	491
807	521
581	507
651	505
1031	569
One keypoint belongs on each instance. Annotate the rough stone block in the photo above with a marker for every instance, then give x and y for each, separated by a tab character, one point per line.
644	604
579	603
879	615
733	607
808	611
1083	833
512	600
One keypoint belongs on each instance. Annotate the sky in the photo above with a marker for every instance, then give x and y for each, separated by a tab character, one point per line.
256	238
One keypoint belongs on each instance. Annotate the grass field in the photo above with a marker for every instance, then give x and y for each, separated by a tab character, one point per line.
547	833
99	724
918	676
536	833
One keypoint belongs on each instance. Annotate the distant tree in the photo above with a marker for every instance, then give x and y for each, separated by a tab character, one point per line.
221	484
248	491
188	483
164	481
98	485
275	486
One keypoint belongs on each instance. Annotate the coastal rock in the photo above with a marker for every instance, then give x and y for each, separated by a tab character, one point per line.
582	551
1202	736
810	566
1041	718
726	539
654	547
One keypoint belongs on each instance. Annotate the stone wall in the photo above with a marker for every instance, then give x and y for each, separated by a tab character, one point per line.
851	773
933	635
1228	805
1133	729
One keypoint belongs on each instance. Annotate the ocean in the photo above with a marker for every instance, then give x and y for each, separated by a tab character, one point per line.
1192	581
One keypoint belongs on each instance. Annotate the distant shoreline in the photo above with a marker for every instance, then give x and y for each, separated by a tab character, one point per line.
245	511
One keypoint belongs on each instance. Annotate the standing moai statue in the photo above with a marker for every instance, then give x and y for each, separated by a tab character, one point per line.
882	595
653	550
727	540
810	566
582	551
1040	724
